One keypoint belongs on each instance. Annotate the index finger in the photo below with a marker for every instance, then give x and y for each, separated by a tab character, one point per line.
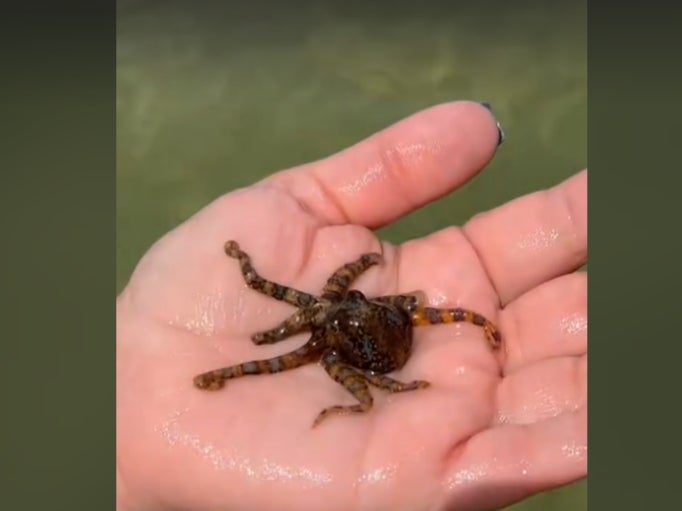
399	169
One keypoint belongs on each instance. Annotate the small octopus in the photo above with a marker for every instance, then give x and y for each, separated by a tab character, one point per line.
355	338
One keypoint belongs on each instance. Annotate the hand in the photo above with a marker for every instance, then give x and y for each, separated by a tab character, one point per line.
493	428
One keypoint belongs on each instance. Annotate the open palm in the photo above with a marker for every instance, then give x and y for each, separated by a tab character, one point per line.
493	427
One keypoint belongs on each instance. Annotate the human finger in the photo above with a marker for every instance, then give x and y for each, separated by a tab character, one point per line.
533	238
550	320
398	169
505	464
542	390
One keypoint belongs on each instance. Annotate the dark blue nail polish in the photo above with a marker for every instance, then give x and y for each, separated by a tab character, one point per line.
501	136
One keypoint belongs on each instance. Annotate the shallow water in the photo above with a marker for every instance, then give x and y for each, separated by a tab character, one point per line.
204	87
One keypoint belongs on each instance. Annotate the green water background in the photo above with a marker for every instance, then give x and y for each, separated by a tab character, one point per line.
215	95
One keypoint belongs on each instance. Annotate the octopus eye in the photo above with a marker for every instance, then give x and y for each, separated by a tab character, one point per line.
354	294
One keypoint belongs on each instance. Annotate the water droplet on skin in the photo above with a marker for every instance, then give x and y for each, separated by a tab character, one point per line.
469	475
373	173
539	239
378	475
574	451
573	324
268	470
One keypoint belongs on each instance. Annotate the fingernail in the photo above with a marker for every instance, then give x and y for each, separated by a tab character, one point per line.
501	136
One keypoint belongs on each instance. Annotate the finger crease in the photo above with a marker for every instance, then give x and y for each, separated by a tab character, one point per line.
484	266
569	207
